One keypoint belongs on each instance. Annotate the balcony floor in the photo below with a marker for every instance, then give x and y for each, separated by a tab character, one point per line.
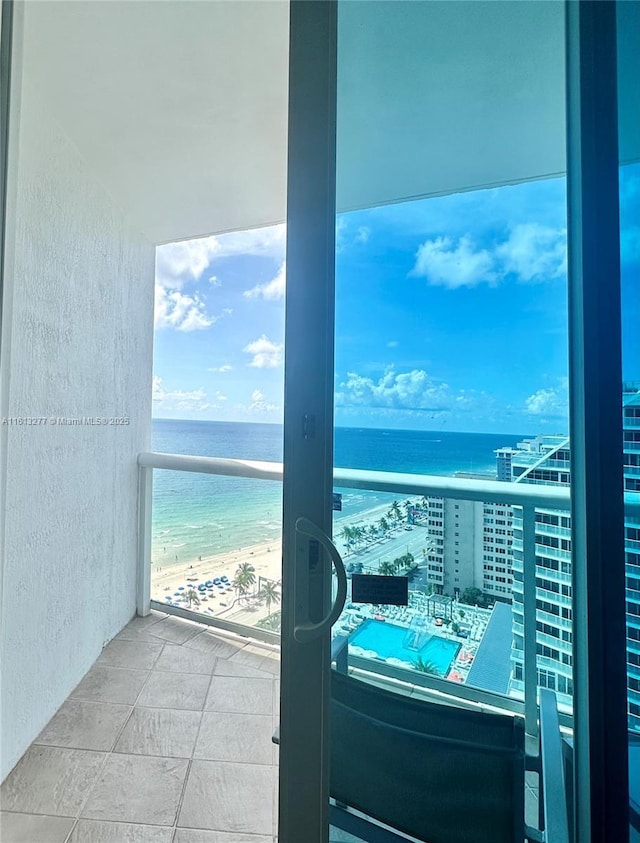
167	739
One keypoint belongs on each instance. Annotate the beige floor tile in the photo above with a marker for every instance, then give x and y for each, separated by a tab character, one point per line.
50	780
85	725
140	628
271	666
160	731
251	655
222	648
99	831
224	667
29	828
138	655
175	658
111	684
153	617
243	738
217	798
193	835
136	634
175	630
239	694
175	690
137	789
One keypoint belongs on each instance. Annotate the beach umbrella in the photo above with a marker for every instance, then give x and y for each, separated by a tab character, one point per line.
176	594
180	588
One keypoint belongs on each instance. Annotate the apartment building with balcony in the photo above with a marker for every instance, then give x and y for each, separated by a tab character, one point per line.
470	548
547	460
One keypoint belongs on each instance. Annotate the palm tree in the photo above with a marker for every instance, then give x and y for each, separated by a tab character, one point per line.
270	594
240	586
192	596
347	534
386	568
373	531
244	578
395	509
426	666
247	572
384	525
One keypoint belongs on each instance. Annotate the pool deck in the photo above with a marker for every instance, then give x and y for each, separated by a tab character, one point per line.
403	616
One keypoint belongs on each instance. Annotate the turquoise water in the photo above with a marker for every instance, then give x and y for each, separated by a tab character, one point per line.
387	640
200	515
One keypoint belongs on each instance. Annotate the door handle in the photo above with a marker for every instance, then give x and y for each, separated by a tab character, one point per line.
305	632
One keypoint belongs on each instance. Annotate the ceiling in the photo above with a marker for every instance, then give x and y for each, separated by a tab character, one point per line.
180	106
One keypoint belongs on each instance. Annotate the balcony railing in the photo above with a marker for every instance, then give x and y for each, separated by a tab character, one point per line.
527	496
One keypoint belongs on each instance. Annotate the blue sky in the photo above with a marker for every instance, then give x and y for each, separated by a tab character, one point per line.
451	314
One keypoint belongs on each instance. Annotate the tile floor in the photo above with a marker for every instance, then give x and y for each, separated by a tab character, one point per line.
167	739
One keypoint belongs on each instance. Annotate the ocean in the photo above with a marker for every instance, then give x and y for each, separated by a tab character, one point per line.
201	515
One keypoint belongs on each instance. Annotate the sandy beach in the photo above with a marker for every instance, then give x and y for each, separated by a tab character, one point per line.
266	558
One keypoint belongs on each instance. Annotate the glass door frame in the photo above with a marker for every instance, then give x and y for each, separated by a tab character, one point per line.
308	422
601	784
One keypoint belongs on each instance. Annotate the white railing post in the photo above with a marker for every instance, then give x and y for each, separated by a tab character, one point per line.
145	498
529	612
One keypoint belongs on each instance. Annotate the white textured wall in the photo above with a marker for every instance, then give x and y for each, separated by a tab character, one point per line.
81	332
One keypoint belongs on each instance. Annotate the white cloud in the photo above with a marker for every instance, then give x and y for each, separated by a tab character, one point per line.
414	390
552	401
220	396
174	309
533	253
179	263
215	281
226	367
265	353
178	399
259	404
272	290
446	263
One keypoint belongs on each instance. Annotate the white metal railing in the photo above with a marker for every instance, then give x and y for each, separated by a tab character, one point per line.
527	496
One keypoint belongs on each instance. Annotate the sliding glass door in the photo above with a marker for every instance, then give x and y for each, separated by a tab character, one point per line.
434	563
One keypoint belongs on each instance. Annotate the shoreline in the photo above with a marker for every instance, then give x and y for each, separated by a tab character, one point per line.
265	556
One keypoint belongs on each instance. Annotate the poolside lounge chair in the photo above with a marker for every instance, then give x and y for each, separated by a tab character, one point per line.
437	773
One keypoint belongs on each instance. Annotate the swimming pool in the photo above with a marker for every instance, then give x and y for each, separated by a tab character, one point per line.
388	641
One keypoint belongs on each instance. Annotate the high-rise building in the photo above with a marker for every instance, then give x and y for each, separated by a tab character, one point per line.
546	459
470	547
